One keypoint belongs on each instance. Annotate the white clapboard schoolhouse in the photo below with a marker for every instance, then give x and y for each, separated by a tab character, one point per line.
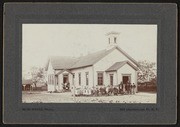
110	66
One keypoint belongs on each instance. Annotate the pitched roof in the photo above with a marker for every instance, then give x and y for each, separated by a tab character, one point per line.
60	62
90	59
27	81
118	65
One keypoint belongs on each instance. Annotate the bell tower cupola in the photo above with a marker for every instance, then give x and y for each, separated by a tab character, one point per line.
112	39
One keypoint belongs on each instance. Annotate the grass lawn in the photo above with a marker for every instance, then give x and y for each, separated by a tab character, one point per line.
45	97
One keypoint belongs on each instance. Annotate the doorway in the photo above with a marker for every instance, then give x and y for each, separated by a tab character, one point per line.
126	78
65	79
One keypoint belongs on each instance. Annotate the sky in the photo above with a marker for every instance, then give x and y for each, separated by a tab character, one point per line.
43	40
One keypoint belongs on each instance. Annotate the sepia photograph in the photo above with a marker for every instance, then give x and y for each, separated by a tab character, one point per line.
89	63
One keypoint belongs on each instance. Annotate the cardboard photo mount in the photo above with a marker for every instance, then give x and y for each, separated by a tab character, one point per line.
163	112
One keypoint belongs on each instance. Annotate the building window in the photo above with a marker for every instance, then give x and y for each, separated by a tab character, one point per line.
57	82
48	79
114	39
111	79
87	78
100	78
79	78
51	79
73	75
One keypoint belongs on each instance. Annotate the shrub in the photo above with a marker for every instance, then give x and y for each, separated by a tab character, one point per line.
147	88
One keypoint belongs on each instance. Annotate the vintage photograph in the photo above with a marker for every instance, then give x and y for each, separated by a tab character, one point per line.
89	63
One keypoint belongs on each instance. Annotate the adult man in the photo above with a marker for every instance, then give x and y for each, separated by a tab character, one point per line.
128	87
133	87
121	87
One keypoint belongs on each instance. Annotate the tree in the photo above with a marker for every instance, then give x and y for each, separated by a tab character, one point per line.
37	75
147	71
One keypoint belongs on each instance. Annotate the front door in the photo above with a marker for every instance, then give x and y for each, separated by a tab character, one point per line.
65	79
126	79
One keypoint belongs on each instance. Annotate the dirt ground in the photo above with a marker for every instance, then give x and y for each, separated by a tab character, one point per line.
45	97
